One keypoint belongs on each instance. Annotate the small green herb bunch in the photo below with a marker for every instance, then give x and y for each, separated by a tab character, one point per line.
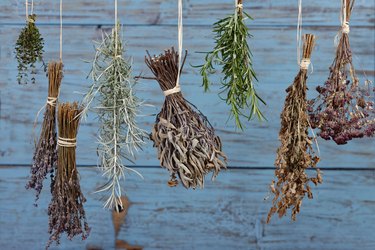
29	50
233	53
117	108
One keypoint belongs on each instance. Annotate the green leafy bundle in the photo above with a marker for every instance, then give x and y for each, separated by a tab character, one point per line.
29	50
232	52
117	108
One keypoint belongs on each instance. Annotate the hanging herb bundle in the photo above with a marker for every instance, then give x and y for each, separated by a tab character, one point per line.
295	154
186	142
233	54
343	109
45	155
117	110
29	50
66	212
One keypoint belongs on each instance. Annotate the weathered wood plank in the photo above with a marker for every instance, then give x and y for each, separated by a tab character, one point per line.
228	214
319	12
274	59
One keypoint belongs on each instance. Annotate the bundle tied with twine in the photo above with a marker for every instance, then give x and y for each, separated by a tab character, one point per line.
45	155
186	142
295	153
66	212
343	109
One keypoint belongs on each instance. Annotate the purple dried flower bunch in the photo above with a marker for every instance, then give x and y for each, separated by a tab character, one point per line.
66	212
343	109
295	153
45	155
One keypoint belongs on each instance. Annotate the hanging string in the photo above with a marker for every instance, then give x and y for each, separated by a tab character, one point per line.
343	17
238	4
61	30
27	9
180	38
299	32
32	7
116	29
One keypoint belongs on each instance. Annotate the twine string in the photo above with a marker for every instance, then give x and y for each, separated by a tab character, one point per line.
52	101
238	5
305	63
61	28
343	18
116	29
67	142
299	32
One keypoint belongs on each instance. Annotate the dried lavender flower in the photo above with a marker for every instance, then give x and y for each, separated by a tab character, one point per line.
117	108
66	212
343	109
45	155
295	153
186	142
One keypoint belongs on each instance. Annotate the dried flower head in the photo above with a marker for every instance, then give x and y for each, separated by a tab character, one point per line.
186	142
295	153
29	50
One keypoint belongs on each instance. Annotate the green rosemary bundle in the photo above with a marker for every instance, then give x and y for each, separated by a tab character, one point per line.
186	142
29	50
117	109
295	154
66	212
233	54
45	155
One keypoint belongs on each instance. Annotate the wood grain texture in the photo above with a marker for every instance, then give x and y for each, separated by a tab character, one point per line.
274	60
229	213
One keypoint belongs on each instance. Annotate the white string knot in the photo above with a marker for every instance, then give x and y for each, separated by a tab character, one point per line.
176	89
67	142
239	6
305	63
52	101
345	28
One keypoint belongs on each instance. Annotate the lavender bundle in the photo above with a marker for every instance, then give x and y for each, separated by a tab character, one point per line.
186	142
343	110
66	213
45	155
295	154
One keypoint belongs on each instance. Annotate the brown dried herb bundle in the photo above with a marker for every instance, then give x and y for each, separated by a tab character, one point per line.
66	213
186	142
45	155
343	110
295	154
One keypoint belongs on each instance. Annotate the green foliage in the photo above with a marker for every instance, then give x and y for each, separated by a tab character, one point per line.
29	50
232	52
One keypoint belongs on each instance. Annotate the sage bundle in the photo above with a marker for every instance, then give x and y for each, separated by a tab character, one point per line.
117	108
29	50
295	153
45	155
233	54
186	142
343	110
66	212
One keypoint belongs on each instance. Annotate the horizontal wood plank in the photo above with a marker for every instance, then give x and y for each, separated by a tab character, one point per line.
229	213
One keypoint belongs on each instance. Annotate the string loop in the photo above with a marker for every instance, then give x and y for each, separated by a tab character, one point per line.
67	142
176	89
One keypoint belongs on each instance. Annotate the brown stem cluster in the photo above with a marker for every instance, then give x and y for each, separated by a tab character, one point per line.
66	212
186	142
45	155
295	153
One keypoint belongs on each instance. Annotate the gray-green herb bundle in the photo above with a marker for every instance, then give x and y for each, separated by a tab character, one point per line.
29	50
295	153
117	108
233	54
186	142
45	155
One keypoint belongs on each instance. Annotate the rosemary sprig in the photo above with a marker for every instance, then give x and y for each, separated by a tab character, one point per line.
117	107
29	50
233	53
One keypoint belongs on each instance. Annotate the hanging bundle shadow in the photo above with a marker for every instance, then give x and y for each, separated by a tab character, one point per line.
66	212
186	142
343	109
295	154
117	108
45	155
232	53
29	48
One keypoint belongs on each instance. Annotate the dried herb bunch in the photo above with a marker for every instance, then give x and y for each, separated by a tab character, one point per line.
343	109
295	154
66	213
45	155
117	108
29	50
233	54
186	142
